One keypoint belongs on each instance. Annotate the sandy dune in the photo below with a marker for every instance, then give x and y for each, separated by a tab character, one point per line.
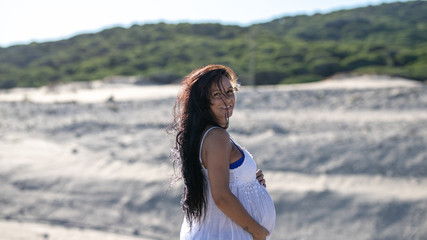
344	159
24	231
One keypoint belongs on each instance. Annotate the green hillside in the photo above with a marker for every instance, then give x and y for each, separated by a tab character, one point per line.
384	39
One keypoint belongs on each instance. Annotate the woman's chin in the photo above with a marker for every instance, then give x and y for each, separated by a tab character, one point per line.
229	112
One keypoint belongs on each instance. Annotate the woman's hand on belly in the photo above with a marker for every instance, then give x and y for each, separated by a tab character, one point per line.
260	178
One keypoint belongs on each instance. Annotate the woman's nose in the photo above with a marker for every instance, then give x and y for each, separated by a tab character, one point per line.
226	100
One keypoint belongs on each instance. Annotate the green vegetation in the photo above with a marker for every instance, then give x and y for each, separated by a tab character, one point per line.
384	39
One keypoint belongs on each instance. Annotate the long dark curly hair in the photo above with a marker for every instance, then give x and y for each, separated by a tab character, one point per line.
192	114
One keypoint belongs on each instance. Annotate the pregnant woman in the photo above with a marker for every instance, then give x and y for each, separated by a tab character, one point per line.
224	195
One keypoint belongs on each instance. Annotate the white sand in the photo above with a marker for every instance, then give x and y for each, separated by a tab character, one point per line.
99	91
374	188
26	231
84	93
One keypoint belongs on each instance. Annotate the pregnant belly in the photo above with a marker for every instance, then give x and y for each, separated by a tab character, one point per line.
259	204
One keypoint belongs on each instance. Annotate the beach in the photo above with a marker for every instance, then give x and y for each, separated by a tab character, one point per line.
344	158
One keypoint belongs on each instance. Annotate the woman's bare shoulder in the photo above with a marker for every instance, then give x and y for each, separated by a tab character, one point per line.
217	136
216	149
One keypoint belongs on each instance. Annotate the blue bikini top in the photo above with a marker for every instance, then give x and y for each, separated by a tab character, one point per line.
239	162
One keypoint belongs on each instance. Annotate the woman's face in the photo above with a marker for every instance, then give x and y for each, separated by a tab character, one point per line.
222	100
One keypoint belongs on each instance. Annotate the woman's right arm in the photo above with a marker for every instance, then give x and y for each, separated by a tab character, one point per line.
217	154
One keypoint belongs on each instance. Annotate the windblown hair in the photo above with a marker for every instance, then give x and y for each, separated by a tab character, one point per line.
192	114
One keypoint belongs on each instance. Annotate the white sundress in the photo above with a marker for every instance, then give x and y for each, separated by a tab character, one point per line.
252	195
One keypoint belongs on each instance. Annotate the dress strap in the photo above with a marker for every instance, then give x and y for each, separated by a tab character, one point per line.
201	142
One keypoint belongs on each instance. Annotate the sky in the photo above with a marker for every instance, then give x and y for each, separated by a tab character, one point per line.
25	21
